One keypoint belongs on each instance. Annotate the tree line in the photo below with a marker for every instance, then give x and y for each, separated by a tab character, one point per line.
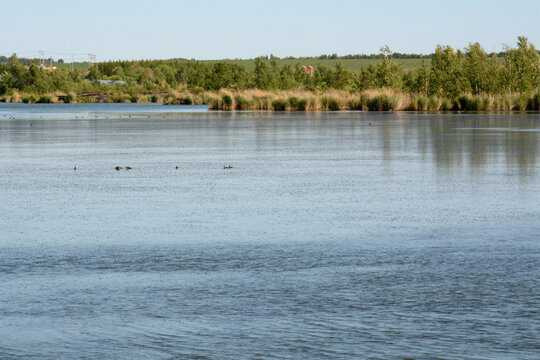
447	72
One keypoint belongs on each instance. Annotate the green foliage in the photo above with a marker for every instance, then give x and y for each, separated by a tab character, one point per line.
44	99
69	98
388	73
29	99
382	102
447	74
227	101
446	105
279	104
330	103
534	102
242	103
521	72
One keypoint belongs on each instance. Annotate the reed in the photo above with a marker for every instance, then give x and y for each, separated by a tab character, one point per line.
242	103
382	102
304	100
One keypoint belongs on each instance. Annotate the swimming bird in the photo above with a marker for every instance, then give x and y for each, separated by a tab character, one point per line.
176	167
227	167
118	168
128	168
75	168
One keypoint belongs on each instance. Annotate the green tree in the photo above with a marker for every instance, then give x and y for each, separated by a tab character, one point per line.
389	73
322	77
446	77
261	75
522	67
418	79
341	77
476	67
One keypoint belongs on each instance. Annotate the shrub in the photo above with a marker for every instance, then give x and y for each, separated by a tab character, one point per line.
68	98
29	99
433	103
333	104
186	100
213	104
467	103
242	103
446	105
279	104
119	98
413	104
302	105
261	102
330	103
354	104
227	101
154	98
313	104
534	102
293	102
382	102
521	102
168	98
422	103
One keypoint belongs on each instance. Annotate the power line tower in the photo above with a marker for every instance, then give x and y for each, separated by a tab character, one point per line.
91	60
41	58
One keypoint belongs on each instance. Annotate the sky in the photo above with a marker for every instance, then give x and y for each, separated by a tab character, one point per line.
208	29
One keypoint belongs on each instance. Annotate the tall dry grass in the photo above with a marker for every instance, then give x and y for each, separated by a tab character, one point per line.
303	100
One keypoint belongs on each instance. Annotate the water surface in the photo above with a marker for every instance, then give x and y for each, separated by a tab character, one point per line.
334	235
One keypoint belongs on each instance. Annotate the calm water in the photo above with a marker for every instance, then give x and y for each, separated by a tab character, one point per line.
334	235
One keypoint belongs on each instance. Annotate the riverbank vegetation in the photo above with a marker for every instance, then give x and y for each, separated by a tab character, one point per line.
468	79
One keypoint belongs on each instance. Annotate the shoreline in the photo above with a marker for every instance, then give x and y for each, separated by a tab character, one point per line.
301	100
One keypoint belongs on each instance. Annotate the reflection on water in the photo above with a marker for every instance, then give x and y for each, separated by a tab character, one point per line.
335	235
457	141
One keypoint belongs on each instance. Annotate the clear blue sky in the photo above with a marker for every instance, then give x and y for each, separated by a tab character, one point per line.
207	29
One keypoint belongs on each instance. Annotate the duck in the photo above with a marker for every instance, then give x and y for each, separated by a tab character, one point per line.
75	168
176	167
118	168
128	167
227	167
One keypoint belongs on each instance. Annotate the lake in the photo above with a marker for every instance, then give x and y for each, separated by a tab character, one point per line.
335	235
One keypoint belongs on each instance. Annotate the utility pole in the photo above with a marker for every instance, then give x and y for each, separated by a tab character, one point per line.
41	57
91	60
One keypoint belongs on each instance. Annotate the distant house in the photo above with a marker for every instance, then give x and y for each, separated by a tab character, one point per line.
47	68
44	67
308	69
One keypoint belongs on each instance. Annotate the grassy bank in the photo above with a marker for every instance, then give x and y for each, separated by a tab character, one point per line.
301	100
369	100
